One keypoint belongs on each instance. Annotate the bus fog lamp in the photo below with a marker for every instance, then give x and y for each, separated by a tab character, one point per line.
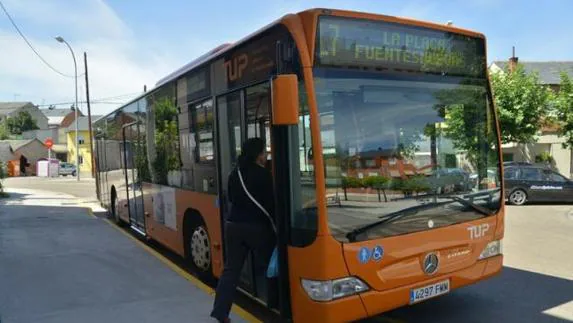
328	290
492	249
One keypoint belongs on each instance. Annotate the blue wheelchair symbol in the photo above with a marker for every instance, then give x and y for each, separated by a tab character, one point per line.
377	253
364	255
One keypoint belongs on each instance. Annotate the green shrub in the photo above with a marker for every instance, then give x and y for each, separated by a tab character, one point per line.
544	157
378	183
351	182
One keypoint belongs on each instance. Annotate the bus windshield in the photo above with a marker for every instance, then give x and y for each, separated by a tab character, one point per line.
393	142
407	127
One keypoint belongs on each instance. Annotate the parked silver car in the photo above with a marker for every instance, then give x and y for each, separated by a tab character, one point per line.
67	169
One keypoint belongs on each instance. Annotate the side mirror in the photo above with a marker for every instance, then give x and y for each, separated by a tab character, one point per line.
285	100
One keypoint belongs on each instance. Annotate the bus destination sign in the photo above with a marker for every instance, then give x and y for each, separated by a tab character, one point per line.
347	42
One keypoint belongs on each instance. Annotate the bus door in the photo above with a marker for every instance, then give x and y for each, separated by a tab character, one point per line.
132	145
241	115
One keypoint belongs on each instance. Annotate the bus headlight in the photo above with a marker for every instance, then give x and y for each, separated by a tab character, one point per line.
327	290
493	248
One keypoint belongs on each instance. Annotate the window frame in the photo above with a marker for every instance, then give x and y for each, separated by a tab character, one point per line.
193	129
549	173
522	173
516	175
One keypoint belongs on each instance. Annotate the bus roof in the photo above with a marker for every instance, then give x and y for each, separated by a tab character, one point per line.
217	51
223	48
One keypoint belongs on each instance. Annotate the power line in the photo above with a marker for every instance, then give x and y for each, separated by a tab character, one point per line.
79	102
105	100
116	97
30	45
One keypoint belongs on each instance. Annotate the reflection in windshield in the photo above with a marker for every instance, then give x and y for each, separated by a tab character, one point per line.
393	142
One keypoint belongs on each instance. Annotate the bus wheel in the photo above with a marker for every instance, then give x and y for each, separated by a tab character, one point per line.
200	249
115	209
518	197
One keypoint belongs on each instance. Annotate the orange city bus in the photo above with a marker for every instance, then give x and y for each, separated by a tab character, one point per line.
340	98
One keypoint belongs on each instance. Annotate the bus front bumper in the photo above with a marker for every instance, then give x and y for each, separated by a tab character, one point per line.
377	302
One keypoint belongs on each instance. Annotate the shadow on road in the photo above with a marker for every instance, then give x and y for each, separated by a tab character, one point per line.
513	296
12	197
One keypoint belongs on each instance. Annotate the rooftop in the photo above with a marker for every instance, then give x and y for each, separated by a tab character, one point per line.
17	144
6	152
8	107
549	72
83	124
56	112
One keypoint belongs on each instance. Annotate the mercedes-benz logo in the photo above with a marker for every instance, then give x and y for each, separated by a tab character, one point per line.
431	263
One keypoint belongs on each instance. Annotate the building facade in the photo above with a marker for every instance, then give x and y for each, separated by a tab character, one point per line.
82	144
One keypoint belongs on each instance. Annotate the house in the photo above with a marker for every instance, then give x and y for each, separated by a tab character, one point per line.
32	150
83	142
60	119
58	122
549	141
12	109
6	153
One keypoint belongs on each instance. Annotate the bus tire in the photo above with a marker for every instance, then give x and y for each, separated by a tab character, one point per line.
197	245
518	197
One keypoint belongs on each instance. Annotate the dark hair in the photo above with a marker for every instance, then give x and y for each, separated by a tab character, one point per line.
251	149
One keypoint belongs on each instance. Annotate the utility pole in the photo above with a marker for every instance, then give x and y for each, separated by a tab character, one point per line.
91	137
89	114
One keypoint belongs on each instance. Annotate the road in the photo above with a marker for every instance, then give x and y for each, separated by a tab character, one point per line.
536	284
84	189
61	264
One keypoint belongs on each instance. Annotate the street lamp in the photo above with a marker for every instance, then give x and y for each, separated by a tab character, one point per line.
61	40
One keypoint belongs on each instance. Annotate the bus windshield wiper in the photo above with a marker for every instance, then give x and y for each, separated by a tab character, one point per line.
414	210
475	207
393	216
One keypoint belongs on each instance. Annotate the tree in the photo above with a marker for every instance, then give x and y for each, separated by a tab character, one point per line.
415	184
466	123
564	109
4	134
350	182
522	104
20	123
378	183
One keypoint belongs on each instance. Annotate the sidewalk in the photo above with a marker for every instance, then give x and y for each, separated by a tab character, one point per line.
59	264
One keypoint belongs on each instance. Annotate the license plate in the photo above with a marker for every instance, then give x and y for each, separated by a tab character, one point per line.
423	293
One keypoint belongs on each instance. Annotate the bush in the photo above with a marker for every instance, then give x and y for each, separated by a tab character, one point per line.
408	186
544	157
378	183
351	182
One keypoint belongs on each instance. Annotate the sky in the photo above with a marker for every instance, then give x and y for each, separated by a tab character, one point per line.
130	44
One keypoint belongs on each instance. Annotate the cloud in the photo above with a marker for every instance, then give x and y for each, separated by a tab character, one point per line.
116	63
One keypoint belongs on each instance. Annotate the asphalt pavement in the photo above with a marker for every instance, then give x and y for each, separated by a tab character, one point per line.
59	263
536	284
